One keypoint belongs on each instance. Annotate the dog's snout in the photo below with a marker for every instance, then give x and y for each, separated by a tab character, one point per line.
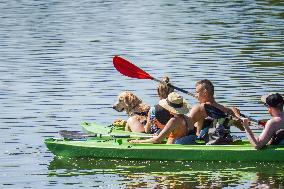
118	107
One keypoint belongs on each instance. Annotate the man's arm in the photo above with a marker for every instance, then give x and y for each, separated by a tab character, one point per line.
249	132
170	126
264	137
197	116
237	121
147	127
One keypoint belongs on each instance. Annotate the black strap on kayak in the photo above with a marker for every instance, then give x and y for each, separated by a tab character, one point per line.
73	135
79	135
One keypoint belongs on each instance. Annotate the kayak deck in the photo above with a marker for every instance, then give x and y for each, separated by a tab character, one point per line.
122	149
116	130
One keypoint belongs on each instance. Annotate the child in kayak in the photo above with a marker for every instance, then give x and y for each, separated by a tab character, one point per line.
179	127
273	132
157	115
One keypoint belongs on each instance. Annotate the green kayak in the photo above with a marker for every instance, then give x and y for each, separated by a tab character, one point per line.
120	148
110	129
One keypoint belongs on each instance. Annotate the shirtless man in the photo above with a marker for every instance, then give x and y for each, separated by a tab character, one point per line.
205	130
274	103
205	95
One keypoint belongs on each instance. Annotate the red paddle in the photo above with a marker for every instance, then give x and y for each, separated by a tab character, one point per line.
128	69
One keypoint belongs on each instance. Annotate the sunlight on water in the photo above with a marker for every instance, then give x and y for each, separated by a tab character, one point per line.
170	174
56	71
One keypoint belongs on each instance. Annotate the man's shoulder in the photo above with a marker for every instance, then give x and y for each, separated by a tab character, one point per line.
196	111
197	107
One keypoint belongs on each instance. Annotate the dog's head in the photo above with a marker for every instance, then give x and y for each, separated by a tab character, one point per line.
126	102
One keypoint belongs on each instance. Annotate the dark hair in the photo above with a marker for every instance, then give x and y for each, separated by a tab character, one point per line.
164	89
162	115
275	100
280	106
206	84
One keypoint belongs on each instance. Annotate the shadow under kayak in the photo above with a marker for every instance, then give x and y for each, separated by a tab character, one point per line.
122	149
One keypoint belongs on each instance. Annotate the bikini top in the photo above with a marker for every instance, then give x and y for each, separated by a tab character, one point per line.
162	116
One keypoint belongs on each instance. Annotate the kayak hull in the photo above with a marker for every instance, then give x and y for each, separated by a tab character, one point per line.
122	149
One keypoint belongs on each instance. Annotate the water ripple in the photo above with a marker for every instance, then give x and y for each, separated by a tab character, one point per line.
56	70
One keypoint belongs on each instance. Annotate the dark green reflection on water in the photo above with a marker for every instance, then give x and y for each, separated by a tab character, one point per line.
155	174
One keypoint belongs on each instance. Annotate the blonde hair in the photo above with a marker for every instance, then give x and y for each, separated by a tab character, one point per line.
164	89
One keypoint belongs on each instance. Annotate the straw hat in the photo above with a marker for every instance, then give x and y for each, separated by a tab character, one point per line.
175	103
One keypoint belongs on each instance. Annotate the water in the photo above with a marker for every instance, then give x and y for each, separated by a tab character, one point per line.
56	71
155	174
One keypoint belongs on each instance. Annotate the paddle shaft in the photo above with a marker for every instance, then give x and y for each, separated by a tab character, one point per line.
262	123
175	87
259	122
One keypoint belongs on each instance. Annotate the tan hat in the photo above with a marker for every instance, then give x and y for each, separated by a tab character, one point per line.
175	104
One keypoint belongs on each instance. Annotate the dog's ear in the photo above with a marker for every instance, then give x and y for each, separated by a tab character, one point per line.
128	99
131	100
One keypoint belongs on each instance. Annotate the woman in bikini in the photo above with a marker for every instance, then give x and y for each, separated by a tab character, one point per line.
157	115
179	129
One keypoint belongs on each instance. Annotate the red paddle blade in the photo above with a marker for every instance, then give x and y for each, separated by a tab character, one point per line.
128	69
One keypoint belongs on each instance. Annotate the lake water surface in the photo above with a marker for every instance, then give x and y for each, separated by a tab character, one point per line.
56	71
